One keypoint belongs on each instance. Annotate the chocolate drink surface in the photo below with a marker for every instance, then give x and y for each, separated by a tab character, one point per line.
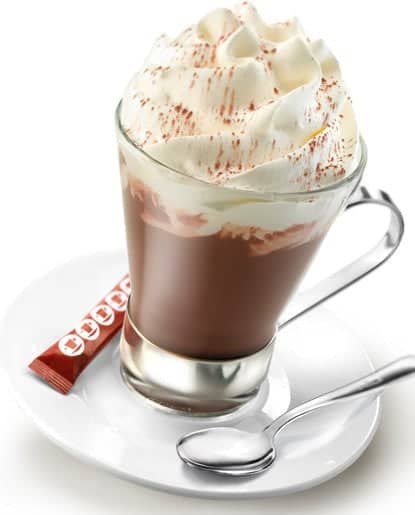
207	296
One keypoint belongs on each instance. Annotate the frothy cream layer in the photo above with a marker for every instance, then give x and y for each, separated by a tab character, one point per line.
244	104
256	109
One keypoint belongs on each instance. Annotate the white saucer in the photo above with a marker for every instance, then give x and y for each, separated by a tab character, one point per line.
103	423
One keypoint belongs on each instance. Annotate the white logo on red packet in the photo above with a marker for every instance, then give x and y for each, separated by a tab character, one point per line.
117	300
88	329
125	285
103	314
71	345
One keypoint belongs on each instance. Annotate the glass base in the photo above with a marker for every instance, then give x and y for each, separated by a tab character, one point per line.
188	385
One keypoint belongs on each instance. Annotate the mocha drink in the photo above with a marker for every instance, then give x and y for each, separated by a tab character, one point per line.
231	138
214	296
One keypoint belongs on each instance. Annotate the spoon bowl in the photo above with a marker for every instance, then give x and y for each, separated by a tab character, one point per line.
227	450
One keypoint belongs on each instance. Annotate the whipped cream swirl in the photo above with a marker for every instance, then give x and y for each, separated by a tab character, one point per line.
245	104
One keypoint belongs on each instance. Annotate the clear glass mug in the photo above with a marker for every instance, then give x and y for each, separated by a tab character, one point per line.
211	271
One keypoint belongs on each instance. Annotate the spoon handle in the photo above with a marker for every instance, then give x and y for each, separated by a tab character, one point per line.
375	382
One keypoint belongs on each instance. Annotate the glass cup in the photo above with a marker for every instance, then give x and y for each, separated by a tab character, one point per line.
211	271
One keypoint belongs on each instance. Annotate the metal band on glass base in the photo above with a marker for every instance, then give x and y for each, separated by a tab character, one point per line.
197	387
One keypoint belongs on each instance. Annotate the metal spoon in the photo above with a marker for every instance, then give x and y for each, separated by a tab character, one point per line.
234	452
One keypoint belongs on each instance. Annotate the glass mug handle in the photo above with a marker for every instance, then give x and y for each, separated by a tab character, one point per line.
381	252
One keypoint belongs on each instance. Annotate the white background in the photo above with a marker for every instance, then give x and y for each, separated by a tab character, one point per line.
63	69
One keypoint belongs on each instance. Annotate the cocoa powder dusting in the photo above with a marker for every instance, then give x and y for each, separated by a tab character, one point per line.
231	105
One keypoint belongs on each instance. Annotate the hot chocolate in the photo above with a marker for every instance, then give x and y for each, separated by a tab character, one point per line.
237	140
213	297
